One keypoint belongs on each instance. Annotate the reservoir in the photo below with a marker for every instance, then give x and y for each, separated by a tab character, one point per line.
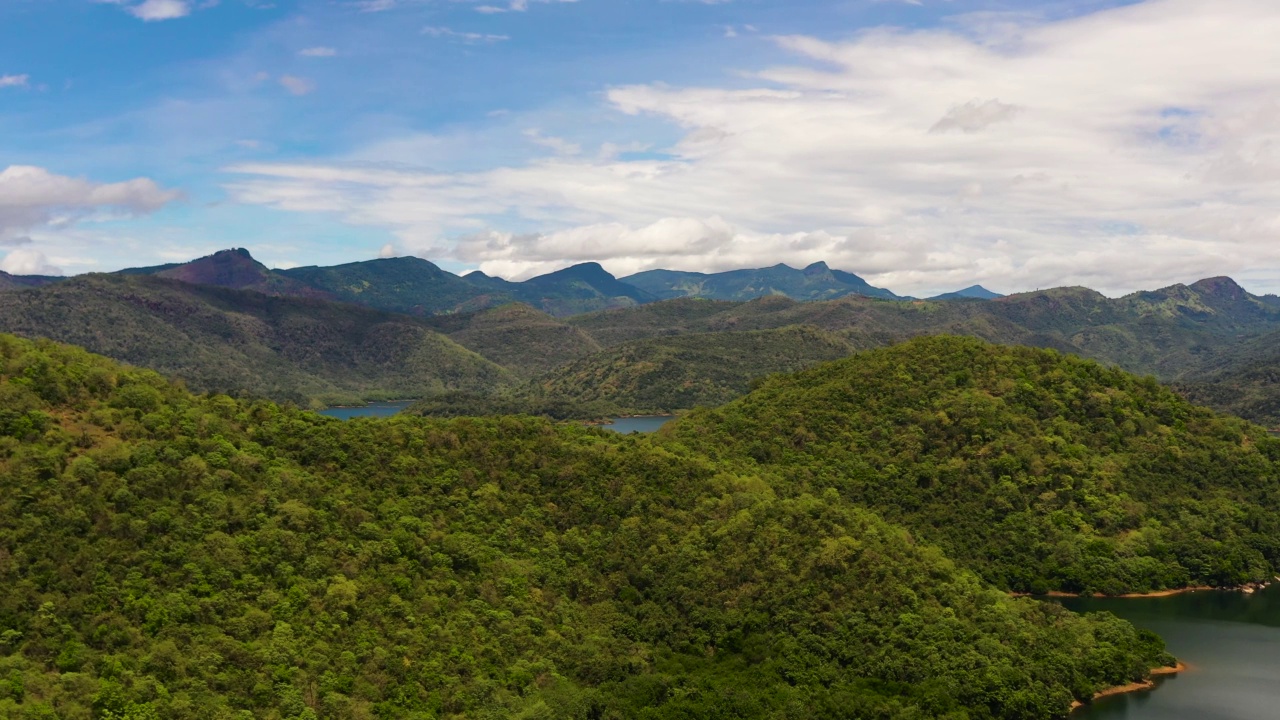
1230	640
385	409
647	424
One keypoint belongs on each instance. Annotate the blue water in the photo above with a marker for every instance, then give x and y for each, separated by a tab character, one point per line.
638	424
1231	641
381	410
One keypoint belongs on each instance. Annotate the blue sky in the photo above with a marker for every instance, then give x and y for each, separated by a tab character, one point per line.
898	140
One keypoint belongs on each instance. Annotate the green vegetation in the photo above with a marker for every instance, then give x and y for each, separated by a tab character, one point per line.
172	556
1039	471
664	375
235	341
816	282
524	340
1246	384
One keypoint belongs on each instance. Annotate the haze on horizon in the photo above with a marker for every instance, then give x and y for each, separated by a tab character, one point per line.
925	145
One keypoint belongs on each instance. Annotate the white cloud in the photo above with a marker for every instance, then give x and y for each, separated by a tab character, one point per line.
32	197
514	6
297	85
388	251
12	81
318	52
975	116
26	261
152	10
466	37
559	145
1117	149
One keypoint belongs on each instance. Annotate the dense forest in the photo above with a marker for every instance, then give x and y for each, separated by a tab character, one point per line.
168	555
1038	470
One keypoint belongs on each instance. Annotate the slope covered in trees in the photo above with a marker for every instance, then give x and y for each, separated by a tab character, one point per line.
246	342
1246	383
663	375
172	556
1041	471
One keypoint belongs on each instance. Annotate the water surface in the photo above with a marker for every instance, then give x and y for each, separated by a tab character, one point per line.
1230	640
385	409
630	425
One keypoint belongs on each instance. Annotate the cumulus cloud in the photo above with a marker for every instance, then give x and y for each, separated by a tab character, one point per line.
13	81
25	261
152	10
33	197
1114	149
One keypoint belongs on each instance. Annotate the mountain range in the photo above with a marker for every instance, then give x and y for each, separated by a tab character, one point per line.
227	323
415	286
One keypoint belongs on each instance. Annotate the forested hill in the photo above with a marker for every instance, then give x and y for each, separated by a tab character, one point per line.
246	342
1041	471
667	374
171	556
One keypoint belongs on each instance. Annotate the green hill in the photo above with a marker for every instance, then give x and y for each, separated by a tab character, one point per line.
405	285
662	375
815	282
518	337
1040	471
22	282
1247	383
245	342
180	557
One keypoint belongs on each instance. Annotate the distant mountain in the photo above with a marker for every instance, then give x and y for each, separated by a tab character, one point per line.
973	292
20	282
1170	332
408	285
816	282
238	341
586	287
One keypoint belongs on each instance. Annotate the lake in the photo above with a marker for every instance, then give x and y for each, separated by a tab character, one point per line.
638	424
1230	640
385	409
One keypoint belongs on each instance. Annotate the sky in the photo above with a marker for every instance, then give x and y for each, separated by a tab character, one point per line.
925	145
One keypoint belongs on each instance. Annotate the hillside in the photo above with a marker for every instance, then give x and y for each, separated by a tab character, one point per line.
1247	383
524	340
815	282
405	285
180	557
21	282
1174	333
246	342
1040	471
662	375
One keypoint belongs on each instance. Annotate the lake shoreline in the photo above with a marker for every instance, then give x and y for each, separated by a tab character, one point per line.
1147	684
1246	589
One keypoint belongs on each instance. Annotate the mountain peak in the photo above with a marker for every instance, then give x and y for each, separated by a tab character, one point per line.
973	292
234	268
1220	287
